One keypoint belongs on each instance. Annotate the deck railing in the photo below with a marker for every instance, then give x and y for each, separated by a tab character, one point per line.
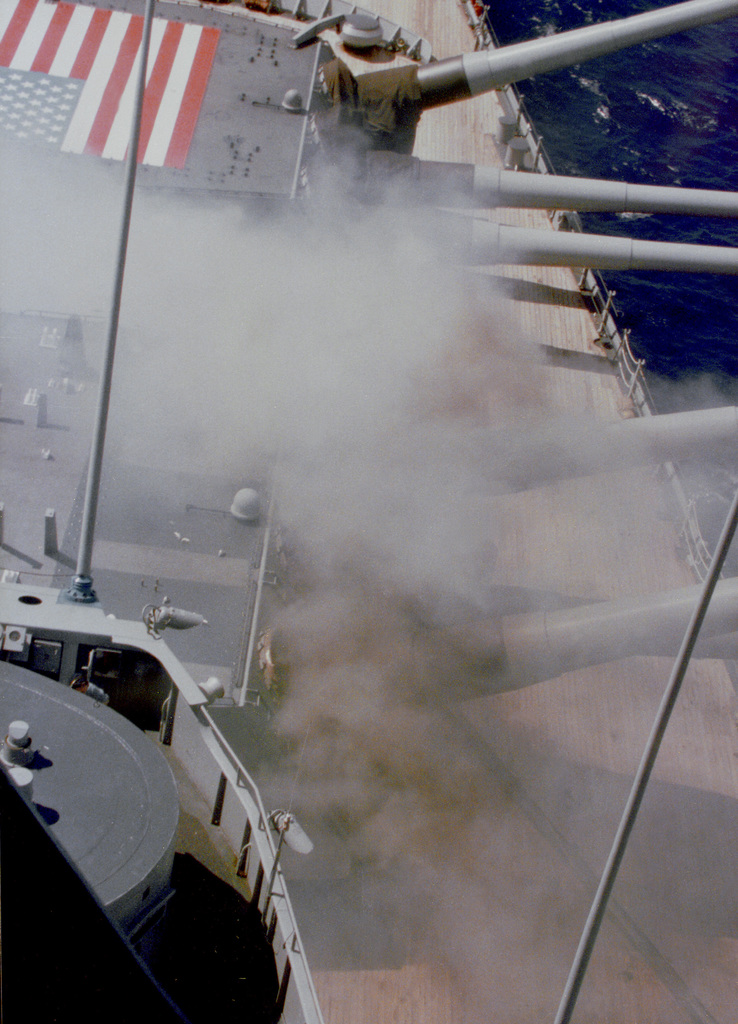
237	809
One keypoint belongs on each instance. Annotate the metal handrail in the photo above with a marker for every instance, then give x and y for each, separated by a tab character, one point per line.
245	790
238	781
699	555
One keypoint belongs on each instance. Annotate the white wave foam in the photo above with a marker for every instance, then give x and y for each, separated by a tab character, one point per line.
655	102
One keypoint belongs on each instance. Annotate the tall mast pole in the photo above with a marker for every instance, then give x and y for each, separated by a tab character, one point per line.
81	587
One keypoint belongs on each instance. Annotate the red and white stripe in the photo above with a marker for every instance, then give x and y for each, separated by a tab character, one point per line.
103	48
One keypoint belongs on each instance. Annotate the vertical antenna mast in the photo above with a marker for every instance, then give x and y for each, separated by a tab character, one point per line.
81	586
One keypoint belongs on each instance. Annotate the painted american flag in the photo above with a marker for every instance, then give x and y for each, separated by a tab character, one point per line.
68	77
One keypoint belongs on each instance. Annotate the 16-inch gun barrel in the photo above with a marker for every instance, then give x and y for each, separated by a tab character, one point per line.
516	651
470	74
563	448
495	187
481	242
473	185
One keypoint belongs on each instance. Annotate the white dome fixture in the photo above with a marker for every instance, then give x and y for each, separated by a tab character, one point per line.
246	506
361	31
292	101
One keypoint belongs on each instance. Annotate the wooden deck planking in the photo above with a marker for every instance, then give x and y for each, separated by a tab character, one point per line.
588	539
415	994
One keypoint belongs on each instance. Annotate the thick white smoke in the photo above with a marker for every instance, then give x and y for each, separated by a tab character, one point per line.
352	353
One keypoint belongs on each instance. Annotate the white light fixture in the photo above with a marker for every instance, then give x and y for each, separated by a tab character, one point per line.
293	835
157	618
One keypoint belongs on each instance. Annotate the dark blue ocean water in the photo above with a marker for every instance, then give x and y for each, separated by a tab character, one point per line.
663	112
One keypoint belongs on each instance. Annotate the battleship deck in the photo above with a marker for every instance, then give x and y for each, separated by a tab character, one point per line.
475	910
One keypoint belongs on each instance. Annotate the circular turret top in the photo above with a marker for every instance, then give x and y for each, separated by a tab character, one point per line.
100	784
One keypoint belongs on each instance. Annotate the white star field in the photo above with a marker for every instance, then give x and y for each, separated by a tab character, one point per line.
36	106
